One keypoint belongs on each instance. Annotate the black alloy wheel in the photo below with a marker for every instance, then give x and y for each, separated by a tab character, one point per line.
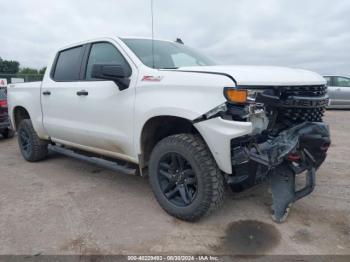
25	143
185	178
33	148
177	179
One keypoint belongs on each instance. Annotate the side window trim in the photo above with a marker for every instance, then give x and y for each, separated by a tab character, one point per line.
87	56
85	60
334	81
53	69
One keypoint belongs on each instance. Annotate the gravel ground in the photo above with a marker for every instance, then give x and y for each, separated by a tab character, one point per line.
64	206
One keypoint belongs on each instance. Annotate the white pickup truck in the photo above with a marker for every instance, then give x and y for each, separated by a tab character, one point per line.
159	108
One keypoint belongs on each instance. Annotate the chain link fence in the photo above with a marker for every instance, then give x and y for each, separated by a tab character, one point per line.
16	78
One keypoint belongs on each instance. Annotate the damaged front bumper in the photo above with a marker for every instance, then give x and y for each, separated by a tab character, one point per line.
300	149
218	133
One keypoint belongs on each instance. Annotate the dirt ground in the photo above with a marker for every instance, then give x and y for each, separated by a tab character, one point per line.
64	206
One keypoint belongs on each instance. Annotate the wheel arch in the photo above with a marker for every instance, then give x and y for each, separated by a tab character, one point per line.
159	127
19	113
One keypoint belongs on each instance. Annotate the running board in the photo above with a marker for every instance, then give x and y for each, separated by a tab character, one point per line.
114	166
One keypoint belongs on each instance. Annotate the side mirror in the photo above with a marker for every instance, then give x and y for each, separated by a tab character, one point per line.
116	73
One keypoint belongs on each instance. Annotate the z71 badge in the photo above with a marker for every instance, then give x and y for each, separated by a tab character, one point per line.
152	78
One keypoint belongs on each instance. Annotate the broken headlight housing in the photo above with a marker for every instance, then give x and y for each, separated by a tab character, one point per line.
215	111
242	105
252	94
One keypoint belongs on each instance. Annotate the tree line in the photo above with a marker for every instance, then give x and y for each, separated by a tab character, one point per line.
13	67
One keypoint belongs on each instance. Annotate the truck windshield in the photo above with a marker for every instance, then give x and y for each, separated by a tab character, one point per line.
167	55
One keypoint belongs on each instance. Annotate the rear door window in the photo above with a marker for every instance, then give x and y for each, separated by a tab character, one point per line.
342	81
68	64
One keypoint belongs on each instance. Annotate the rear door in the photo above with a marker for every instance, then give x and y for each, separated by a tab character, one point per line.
58	95
90	113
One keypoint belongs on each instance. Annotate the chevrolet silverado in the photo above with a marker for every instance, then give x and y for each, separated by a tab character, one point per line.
161	109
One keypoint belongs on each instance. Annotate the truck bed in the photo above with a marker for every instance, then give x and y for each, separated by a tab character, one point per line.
28	96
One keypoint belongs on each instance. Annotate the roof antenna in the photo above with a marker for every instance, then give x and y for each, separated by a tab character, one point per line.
152	34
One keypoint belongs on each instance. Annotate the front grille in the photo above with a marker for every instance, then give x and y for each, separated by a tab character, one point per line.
299	115
308	91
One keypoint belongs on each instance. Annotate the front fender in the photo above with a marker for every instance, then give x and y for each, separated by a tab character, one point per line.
218	134
186	95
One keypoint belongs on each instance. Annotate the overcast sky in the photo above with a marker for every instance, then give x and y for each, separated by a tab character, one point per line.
311	34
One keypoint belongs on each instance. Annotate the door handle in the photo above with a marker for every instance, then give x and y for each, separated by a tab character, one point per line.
82	93
46	93
338	89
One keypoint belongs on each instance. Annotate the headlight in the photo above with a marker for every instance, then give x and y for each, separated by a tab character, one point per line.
253	93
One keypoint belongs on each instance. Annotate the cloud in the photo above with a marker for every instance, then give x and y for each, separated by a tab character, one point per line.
310	34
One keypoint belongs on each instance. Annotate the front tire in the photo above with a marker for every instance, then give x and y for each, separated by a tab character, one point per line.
33	148
185	178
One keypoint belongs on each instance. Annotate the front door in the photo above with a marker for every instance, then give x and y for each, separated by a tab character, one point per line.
91	113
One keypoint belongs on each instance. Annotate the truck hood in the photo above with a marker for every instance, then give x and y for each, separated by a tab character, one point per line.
264	75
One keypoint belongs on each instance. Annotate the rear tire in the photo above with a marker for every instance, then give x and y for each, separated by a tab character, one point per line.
33	148
191	194
7	133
